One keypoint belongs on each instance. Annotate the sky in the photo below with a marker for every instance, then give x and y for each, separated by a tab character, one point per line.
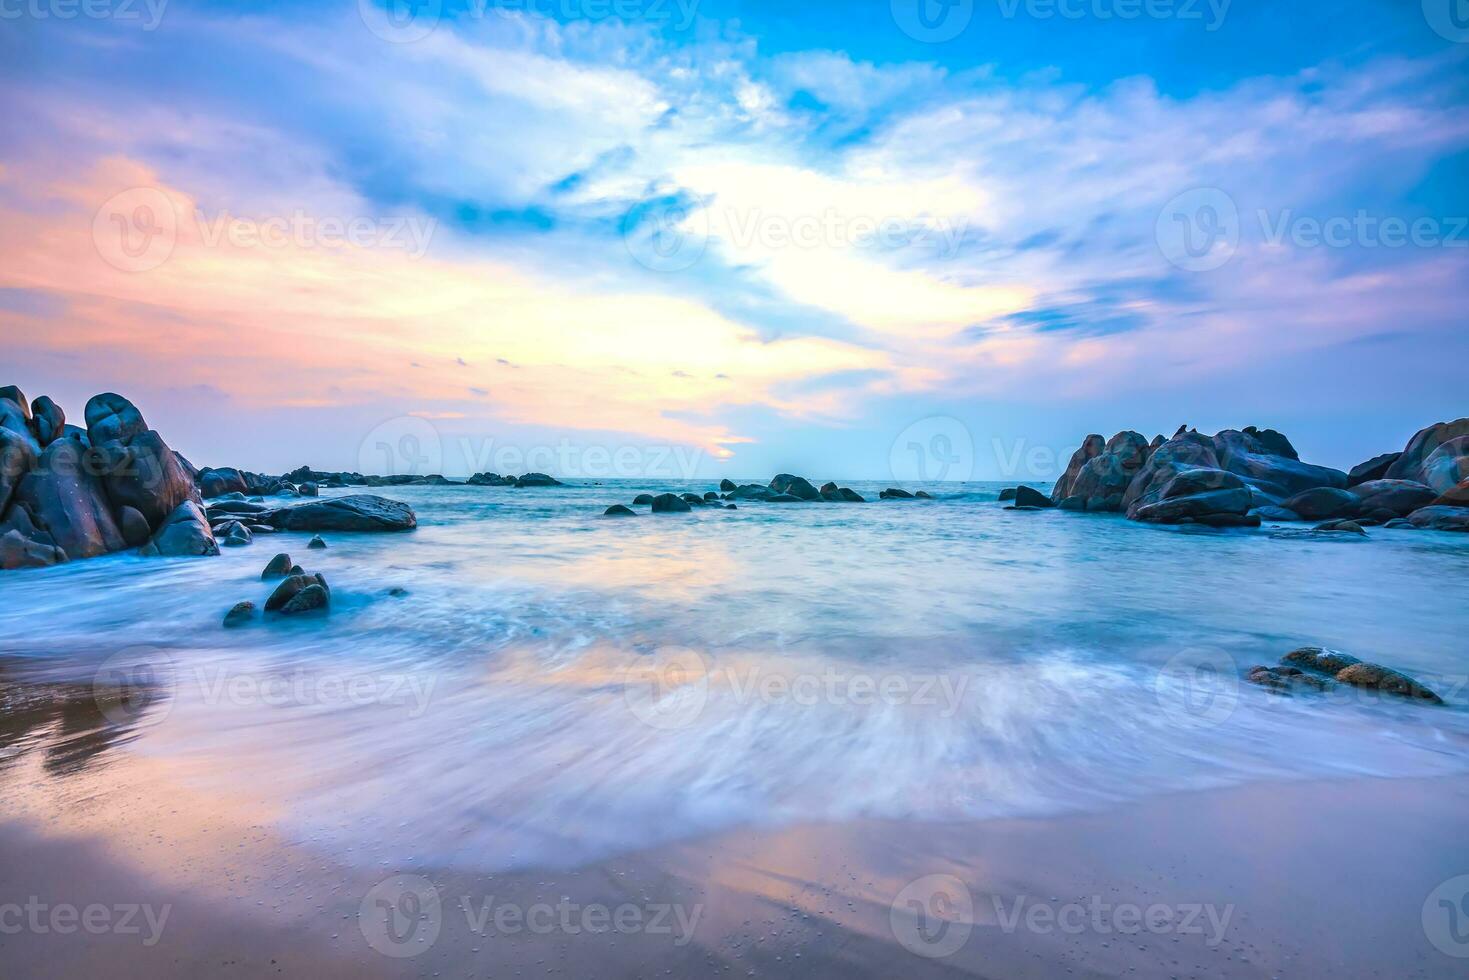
892	240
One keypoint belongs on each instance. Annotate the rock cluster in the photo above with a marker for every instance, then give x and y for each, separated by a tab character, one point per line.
785	488
68	493
1239	478
296	592
1315	669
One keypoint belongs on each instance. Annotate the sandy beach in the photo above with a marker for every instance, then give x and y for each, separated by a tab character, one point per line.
1266	881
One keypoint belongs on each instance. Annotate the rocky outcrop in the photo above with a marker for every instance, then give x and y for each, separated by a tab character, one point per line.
1373	469
1316	668
537	480
1325	504
1424	444
357	512
667	503
1441	519
619	510
1401	497
184	532
491	480
1027	498
48	419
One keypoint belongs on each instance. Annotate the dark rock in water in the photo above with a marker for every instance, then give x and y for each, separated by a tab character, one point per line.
1401	523
1091	447
1457	497
1377	518
112	418
667	503
1008	494
14	394
537	480
1184	452
1027	497
1345	527
1253	457
730	507
310	598
1325	504
221	482
693	499
1075	502
134	527
18	550
1103	480
711	495
297	570
1423	445
290	587
238	537
1226	519
1400	497
842	495
1378	678
49	420
783	498
316	542
1374	469
894	493
643	498
1287	680
277	567
1276	514
1196	494
240	614
15	419
308	490
752	491
491	480
397	592
184	532
1320	659
1272	442
1441	519
727	486
795	486
142	473
66	501
618	510
17	458
357	512
923	495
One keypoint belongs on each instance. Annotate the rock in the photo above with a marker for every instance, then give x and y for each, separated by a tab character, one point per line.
1441	518
1400	497
1401	524
240	614
142	473
1324	504
1196	494
17	458
356	512
667	503
312	597
15	419
67	503
1287	680
1091	447
842	495
643	498
1008	493
184	532
238	537
783	498
290	587
752	491
316	543
730	507
1276	514
1103	480
795	486
1378	678
727	486
923	495
692	499
618	510
308	490
1374	469
1185	451
397	592
221	482
112	418
711	495
134	527
1409	466
537	480
1320	659
1272	442
1457	497
1225	519
1251	456
1076	502
49	420
19	551
1448	466
1345	527
14	394
1027	497
277	567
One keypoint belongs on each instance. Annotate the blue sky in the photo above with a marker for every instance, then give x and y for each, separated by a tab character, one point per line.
773	237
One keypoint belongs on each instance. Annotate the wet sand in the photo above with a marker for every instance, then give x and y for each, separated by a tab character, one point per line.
1287	880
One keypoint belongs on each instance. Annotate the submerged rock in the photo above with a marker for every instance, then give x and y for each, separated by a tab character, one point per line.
1320	660
537	480
618	510
1387	680
316	543
1346	527
1287	680
1441	518
643	498
314	596
240	614
357	512
795	486
277	567
667	503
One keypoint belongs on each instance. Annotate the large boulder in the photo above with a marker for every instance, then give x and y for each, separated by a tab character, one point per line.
1027	497
1373	469
358	512
1187	450
1441	518
218	482
1457	497
1251	453
1402	497
67	502
13	394
1447	466
796	486
19	551
111	417
669	503
15	419
185	532
1207	496
143	473
537	480
49	420
1325	504
17	458
1091	447
1103	480
1409	466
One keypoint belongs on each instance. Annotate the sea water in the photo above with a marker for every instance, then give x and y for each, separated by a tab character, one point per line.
523	681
